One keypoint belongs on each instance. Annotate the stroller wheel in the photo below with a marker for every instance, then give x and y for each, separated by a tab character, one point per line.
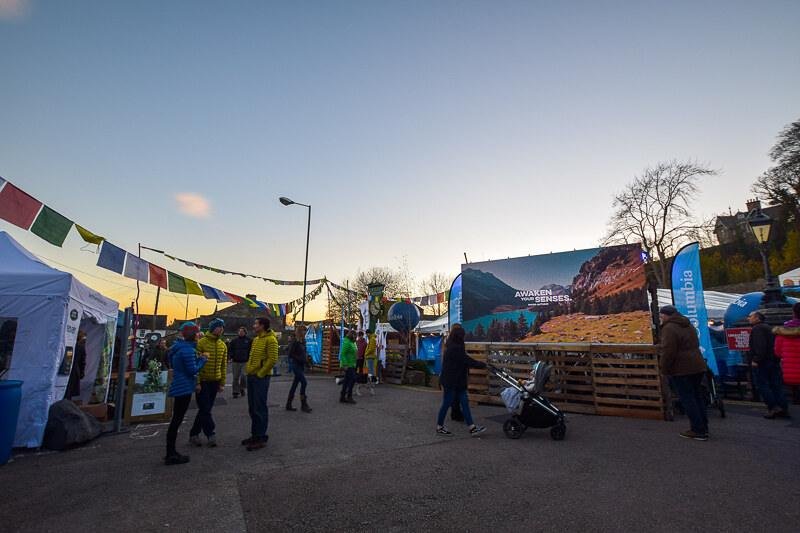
513	429
558	432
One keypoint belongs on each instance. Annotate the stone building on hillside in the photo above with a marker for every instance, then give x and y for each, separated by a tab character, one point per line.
730	228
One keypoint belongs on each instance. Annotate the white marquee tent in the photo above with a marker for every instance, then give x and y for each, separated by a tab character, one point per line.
716	302
47	308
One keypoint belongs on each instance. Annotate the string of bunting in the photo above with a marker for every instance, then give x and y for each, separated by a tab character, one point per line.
131	266
230	272
25	211
431	299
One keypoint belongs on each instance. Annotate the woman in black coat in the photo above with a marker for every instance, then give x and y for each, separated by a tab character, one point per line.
455	372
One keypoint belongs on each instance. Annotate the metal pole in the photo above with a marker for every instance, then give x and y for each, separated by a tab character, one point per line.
122	368
137	282
155	309
767	269
305	271
186	311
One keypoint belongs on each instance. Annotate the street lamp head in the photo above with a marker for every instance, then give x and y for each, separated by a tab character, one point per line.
761	225
285	201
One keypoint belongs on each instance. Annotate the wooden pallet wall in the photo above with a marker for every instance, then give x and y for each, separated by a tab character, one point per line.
602	379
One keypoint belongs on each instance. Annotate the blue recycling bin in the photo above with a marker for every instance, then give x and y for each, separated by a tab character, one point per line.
10	395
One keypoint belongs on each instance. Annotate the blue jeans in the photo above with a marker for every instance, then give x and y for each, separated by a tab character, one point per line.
451	395
299	377
257	390
768	378
693	399
205	403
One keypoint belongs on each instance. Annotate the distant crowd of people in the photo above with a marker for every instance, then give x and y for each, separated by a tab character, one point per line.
200	365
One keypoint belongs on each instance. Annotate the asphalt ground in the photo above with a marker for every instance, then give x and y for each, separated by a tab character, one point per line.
378	466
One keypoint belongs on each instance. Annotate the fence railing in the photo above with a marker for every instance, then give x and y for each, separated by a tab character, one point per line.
601	379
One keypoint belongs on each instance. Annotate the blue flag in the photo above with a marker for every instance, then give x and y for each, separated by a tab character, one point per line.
454	305
688	299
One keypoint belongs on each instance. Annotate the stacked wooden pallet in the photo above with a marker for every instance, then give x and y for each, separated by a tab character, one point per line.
604	379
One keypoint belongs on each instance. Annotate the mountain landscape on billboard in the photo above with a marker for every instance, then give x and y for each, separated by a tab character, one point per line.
486	293
613	270
606	300
611	282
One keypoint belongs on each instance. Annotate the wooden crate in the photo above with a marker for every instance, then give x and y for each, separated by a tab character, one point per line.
604	379
393	372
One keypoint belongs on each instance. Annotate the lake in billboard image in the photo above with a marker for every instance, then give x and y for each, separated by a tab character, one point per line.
596	295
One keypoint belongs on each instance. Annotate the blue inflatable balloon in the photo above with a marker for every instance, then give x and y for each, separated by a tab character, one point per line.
746	304
403	316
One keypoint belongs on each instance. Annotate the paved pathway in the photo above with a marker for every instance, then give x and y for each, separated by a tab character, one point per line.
378	466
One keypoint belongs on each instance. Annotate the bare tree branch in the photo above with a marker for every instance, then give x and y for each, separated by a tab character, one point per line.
656	210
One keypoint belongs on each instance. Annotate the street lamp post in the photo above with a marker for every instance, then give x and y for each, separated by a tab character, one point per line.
287	202
774	306
761	226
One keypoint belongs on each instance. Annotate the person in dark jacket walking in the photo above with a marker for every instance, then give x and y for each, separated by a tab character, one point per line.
455	373
766	369
683	363
239	352
298	358
185	365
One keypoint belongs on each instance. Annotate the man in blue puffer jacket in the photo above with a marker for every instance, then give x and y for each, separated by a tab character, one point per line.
185	364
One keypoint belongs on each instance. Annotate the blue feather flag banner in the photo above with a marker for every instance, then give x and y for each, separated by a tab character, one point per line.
688	298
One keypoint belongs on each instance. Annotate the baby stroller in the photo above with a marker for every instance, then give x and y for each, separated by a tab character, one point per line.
529	409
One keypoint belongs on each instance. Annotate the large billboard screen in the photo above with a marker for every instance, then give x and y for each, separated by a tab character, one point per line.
596	295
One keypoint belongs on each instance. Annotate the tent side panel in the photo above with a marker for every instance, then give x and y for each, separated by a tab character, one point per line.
38	351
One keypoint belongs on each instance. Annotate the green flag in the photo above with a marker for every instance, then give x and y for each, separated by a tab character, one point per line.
176	283
51	226
88	236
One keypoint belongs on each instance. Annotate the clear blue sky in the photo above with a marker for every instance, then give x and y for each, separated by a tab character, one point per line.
416	129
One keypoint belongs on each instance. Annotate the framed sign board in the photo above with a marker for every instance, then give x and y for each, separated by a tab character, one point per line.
146	399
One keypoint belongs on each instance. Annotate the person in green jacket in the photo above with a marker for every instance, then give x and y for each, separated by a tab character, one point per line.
263	356
347	361
210	382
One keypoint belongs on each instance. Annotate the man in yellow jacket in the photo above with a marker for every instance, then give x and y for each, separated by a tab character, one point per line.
263	356
210	381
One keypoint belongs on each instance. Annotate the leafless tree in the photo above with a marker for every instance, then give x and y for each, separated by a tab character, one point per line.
780	185
434	284
394	282
655	210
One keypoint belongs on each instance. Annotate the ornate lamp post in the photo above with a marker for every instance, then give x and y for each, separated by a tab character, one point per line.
775	307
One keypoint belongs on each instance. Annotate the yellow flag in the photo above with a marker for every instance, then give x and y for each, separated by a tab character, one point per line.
88	236
192	287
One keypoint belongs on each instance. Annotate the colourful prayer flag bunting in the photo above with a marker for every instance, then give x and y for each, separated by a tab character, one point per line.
111	257
135	267
51	226
17	206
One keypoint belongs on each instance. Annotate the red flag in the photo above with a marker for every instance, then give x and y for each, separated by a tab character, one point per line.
158	276
236	299
18	207
440	298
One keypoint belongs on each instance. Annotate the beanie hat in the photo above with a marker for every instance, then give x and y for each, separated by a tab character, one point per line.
189	327
668	310
216	323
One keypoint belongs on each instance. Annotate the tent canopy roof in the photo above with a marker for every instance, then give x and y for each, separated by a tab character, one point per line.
22	273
